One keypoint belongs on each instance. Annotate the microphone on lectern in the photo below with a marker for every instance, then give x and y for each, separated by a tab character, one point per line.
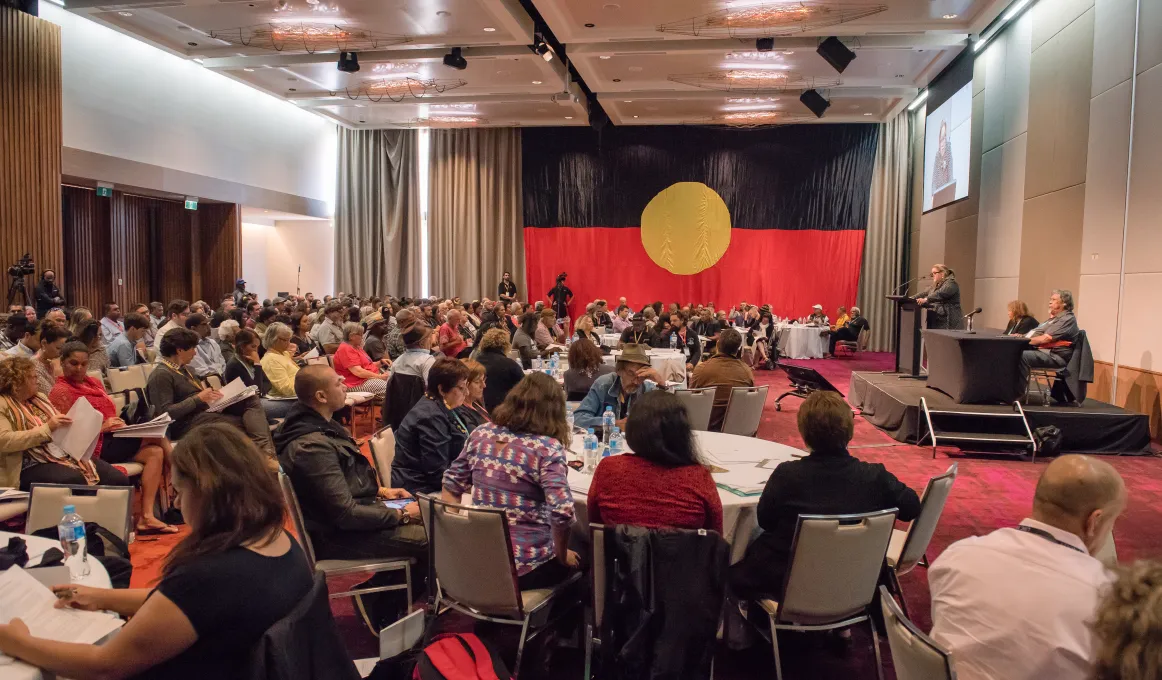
905	285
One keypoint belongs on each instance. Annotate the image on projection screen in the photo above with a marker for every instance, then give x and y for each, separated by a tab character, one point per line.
947	140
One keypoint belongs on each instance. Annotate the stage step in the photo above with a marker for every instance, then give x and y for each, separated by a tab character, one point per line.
1009	427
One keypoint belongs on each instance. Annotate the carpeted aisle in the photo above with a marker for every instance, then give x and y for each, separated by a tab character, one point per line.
990	492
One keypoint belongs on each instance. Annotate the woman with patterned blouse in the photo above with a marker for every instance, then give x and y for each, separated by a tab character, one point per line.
516	463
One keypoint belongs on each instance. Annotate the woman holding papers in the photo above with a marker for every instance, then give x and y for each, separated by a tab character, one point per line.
151	453
235	575
28	420
173	389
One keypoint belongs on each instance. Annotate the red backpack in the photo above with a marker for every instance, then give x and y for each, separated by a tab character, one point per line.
459	656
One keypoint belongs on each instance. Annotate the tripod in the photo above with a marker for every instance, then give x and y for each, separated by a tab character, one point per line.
16	290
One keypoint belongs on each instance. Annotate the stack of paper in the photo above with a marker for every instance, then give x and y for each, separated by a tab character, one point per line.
9	494
234	392
79	438
742	480
579	481
25	598
153	429
313	354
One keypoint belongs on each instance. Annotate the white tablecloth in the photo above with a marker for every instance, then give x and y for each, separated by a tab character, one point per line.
670	364
610	339
731	451
801	342
97	578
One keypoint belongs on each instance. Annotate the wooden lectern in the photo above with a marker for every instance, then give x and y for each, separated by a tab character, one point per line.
908	316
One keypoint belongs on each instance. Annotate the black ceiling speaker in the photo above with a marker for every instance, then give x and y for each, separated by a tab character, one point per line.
455	60
814	101
764	44
348	62
836	53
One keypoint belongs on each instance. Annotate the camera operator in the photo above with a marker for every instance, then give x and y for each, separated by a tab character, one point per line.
47	294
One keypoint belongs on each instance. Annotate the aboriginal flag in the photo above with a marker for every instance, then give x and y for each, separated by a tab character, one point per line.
699	214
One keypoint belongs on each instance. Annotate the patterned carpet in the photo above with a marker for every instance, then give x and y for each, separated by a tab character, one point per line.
990	492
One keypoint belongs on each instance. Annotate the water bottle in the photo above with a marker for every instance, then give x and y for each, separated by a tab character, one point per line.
573	338
616	442
590	451
71	531
554	362
537	364
607	421
569	416
673	341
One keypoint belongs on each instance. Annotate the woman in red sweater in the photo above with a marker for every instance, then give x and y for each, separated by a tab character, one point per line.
662	483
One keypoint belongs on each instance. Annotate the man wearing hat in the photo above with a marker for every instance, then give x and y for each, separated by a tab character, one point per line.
632	377
239	292
817	317
638	333
417	358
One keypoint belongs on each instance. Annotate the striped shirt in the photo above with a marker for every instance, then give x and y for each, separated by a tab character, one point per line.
524	475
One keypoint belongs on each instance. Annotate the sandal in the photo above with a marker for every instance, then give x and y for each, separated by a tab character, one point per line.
156	530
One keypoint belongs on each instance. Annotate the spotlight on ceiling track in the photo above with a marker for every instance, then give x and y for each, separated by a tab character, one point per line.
836	53
455	60
764	44
814	101
542	48
348	62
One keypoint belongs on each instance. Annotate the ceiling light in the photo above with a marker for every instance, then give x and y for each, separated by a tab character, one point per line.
126	14
348	62
918	101
628	101
455	59
949	16
867	114
754	56
764	44
489	29
635	116
835	53
389	67
788	52
541	48
815	102
1014	10
536	82
248	70
590	25
605	56
443	13
568	117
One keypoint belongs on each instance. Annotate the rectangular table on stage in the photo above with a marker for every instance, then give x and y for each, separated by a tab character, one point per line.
980	367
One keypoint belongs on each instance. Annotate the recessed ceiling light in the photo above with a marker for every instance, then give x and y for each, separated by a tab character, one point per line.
590	25
536	82
126	14
628	101
617	80
443	13
613	6
489	29
292	90
867	114
192	44
568	117
248	70
605	56
788	52
635	116
949	16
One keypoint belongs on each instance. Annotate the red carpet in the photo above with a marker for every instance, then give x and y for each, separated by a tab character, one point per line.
990	492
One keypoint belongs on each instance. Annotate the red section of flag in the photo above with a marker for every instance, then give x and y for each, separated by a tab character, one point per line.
789	269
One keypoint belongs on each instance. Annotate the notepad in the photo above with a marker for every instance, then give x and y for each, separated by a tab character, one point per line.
153	429
234	392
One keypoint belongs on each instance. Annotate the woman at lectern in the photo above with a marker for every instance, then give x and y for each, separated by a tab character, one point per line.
943	300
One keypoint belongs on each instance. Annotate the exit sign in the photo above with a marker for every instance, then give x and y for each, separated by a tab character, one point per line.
105	192
191	204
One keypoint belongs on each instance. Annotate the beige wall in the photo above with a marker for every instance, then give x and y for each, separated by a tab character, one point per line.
1064	195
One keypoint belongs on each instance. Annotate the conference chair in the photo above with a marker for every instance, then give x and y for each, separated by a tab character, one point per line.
403	391
128	382
744	410
907	548
850	347
485	586
597	590
699	403
305	643
1107	554
1071	384
109	506
831	577
333	568
383	453
915	656
214	381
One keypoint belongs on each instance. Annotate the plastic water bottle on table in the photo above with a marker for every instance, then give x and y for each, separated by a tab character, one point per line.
607	421
591	459
74	544
673	341
616	442
569	416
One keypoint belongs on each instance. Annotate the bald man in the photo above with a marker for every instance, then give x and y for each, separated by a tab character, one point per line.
1015	604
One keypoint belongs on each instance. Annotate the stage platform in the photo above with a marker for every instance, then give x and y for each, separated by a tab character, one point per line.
893	405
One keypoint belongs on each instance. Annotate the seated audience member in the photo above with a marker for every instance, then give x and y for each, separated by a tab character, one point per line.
724	371
176	313
500	372
417	359
265	317
111	324
639	332
1126	626
1020	321
584	329
663	483
301	336
337	486
89	333
633	376
621	322
26	335
548	332
227	334
234	576
601	314
157	316
75	384
687	340
1053	339
841	318
829	481
849	331
393	342
374	343
360	373
329	332
127	348
28	454
173	389
1017	603
761	336
585	366
708	326
433	432
452	343
279	368
527	439
208	357
817	317
650	317
523	340
512	319
79	316
473	411
47	358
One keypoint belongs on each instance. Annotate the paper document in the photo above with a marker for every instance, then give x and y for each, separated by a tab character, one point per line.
153	429
79	438
7	494
744	480
579	481
313	354
234	392
25	598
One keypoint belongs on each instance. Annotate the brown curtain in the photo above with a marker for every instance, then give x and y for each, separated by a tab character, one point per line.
377	213
884	244
475	214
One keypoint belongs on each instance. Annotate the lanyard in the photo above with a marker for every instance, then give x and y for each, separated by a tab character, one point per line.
1049	537
183	373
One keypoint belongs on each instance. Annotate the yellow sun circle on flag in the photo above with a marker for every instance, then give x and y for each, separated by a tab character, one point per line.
686	228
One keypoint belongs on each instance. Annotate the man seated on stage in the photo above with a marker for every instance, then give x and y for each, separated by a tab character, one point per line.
849	331
841	318
723	371
1053	339
817	317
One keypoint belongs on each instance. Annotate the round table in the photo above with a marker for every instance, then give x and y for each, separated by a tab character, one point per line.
97	578
801	342
610	339
739	455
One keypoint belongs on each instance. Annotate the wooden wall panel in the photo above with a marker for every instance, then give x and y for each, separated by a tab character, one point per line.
129	249
30	141
174	229
85	224
219	251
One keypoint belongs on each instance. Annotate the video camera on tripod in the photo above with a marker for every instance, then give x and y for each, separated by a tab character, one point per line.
23	267
16	290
